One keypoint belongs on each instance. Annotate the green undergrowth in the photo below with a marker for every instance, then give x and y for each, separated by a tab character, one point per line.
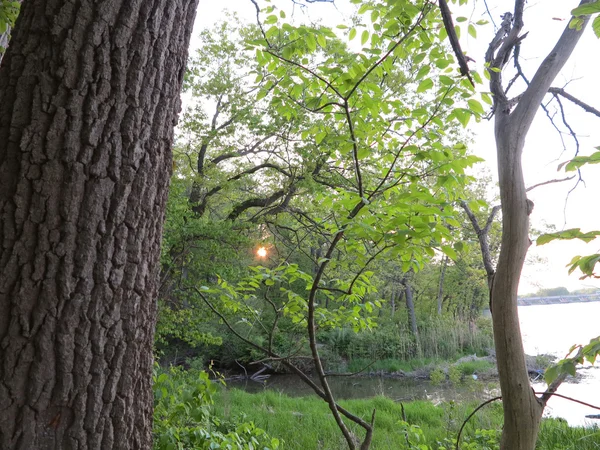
390	365
306	423
193	412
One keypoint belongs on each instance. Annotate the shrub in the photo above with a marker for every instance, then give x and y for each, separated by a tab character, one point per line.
437	376
184	416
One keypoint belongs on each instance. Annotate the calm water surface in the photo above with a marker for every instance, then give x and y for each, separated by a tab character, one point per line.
553	329
547	329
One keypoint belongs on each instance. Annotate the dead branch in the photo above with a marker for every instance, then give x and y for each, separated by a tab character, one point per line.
585	106
558	180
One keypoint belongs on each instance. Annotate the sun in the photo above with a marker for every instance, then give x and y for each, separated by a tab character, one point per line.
261	252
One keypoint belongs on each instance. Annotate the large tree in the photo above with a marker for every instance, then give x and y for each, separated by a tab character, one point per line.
89	94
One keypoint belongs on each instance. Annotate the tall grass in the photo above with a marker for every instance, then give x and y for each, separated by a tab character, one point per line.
306	423
439	339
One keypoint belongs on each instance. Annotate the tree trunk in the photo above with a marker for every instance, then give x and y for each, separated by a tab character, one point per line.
410	307
89	93
440	296
522	409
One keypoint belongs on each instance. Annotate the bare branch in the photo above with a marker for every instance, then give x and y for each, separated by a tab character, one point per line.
483	238
545	75
558	180
585	106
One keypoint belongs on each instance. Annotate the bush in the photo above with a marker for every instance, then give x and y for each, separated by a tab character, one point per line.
437	376
184	416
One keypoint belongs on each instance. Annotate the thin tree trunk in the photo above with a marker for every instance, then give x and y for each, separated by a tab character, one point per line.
440	296
89	94
410	307
522	408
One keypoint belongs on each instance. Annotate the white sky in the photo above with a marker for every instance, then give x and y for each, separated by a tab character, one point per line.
543	151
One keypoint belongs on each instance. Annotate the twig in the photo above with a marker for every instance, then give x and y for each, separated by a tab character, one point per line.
487	402
558	180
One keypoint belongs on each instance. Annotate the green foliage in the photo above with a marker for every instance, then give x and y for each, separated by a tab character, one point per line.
472	367
556	434
304	421
454	374
579	161
9	11
568	366
438	339
437	376
572	233
587	9
586	264
184	416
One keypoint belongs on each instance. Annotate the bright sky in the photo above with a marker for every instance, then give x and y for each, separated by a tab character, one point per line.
543	151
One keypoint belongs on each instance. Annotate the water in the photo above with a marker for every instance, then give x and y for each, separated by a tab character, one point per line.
397	389
546	329
553	329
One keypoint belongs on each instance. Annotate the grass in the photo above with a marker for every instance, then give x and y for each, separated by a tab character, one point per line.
306	423
556	434
477	366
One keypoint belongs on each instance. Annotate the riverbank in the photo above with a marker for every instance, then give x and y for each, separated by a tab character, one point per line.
306	423
470	366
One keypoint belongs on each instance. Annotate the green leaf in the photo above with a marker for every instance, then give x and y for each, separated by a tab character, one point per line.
352	34
472	30
321	40
271	19
425	85
572	233
596	26
585	10
551	374
311	42
476	107
364	37
580	161
422	72
449	251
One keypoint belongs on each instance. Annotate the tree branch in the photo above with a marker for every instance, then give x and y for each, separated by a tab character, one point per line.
585	106
540	84
454	42
558	180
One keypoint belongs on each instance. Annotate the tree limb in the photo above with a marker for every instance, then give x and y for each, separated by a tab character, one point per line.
454	42
585	106
558	180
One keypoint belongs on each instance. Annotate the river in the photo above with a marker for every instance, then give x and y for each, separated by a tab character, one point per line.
553	329
546	329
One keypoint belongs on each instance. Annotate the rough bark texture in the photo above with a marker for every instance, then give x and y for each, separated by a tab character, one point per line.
89	93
